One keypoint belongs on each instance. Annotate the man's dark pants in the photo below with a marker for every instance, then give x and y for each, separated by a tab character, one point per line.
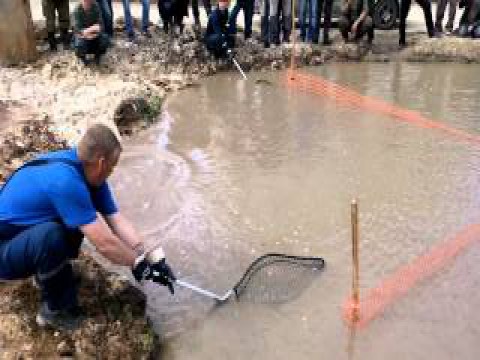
43	251
247	6
345	24
97	46
215	44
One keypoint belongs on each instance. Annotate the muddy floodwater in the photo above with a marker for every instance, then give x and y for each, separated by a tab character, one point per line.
236	169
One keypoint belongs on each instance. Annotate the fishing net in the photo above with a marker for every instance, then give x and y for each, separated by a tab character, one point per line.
277	278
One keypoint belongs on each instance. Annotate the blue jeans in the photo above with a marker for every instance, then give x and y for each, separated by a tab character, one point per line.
42	250
309	8
128	16
107	15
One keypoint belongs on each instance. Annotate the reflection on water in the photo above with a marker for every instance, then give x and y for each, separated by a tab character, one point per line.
239	169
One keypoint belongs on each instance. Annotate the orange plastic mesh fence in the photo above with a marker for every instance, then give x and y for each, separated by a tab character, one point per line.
392	288
320	86
376	300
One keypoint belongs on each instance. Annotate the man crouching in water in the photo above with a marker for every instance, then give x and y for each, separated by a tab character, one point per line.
49	204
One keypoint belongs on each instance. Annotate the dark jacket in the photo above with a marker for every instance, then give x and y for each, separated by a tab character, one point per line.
217	22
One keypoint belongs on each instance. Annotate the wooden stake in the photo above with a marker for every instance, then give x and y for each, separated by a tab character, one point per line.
355	262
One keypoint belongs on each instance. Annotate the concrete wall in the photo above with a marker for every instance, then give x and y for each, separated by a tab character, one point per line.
17	40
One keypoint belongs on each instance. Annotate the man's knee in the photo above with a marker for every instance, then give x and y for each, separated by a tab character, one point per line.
53	236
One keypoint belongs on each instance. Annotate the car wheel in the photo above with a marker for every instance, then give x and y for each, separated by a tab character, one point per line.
386	14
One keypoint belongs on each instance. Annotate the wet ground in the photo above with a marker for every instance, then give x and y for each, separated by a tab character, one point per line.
237	168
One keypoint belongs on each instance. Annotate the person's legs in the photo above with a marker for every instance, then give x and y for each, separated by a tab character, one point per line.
99	46
48	8
214	44
145	16
441	6
287	19
426	6
196	12
63	10
43	250
207	6
248	6
345	23
452	11
128	19
273	22
365	28
313	20
404	10
81	48
302	18
233	16
105	9
327	20
264	25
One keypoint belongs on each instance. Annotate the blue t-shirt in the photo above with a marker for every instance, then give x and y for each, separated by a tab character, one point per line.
54	192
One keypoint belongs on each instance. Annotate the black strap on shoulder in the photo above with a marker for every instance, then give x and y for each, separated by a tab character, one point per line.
40	162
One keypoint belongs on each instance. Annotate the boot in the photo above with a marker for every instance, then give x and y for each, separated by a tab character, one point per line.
287	28
264	31
52	41
274	30
65	39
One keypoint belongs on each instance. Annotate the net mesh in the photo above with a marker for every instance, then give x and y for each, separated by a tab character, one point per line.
277	278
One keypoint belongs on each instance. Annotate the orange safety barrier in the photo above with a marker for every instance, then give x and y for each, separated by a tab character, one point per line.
358	312
320	86
397	285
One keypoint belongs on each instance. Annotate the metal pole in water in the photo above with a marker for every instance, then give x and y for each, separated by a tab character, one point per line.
239	68
355	261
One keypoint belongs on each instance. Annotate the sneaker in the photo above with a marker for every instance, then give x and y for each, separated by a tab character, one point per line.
68	320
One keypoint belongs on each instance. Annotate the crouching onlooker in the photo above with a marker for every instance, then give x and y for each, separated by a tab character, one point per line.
470	20
356	21
218	37
90	40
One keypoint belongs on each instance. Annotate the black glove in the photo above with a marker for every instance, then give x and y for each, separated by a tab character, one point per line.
142	270
163	274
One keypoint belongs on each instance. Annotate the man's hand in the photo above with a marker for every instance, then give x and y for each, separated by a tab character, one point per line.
163	274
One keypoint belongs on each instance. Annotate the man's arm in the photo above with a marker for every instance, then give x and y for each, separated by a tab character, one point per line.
107	243
125	230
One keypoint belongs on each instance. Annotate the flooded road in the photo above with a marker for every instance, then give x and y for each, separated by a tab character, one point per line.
236	169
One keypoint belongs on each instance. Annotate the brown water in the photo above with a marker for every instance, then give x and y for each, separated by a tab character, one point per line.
236	169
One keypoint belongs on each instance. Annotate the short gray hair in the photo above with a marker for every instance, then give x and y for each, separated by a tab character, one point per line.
98	141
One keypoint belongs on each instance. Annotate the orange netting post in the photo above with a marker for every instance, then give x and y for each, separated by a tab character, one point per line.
355	264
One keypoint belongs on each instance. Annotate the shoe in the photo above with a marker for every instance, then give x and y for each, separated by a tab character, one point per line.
131	37
65	39
67	320
327	42
52	42
147	34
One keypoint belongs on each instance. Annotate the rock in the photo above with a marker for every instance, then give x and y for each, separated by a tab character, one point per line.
65	349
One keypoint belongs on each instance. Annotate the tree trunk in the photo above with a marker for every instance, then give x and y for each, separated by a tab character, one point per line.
17	38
